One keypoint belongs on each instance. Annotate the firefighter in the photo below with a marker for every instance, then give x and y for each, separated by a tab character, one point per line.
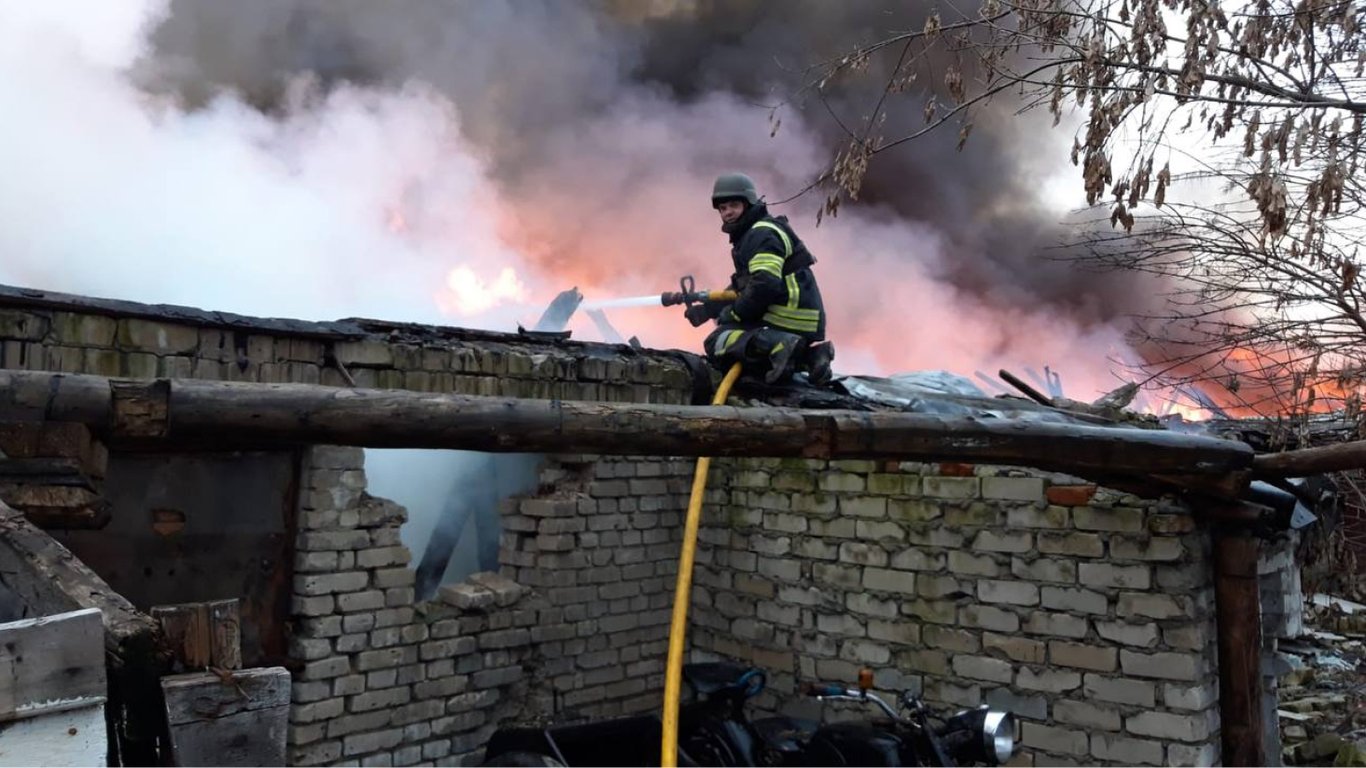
777	323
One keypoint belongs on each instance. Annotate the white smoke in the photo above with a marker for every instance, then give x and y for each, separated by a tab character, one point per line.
112	192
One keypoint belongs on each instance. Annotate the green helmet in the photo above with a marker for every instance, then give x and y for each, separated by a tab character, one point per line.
730	186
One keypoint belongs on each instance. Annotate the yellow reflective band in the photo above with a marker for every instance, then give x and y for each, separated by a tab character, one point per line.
787	241
795	314
776	348
726	340
794	293
800	326
767	262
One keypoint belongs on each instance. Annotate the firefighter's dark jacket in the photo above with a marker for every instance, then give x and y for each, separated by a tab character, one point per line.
773	276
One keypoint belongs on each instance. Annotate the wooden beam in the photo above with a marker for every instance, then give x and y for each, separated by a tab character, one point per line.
1239	628
1312	461
314	414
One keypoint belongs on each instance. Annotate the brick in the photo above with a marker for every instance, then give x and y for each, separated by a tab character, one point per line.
1032	517
162	338
466	596
1169	726
1087	714
879	531
1051	739
380	659
943	638
864	652
1140	693
360	601
1193	697
839	529
962	695
1106	575
364	743
1166	666
1048	680
1071	544
1195	637
1182	754
1117	519
914	510
317	711
321	753
884	580
914	559
1170	524
1082	656
989	617
952	487
1013	488
327	583
862	553
975	515
842	482
1157	548
1033	707
932	611
903	632
1017	648
1061	624
1138	635
1126	751
863	506
1049	569
983	668
871	606
973	565
1070	495
1007	541
937	587
381	699
1154	606
326	668
1074	600
1010	592
314	541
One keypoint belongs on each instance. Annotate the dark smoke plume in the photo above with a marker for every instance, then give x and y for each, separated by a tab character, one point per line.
539	83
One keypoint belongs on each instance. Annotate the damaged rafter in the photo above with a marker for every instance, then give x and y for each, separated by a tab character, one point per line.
302	413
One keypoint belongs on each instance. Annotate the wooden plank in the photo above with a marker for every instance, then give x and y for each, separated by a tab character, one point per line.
187	633
225	634
237	719
303	413
72	738
51	663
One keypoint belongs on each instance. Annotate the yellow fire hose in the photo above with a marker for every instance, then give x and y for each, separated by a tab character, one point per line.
673	674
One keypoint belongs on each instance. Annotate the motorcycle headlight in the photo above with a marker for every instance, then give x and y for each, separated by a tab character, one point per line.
982	735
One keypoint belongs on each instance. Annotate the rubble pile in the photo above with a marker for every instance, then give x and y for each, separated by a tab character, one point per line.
1323	694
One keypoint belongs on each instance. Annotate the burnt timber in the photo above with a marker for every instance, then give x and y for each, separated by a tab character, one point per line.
191	410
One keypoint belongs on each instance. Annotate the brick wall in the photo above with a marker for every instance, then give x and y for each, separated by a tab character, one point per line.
1089	614
204	345
581	632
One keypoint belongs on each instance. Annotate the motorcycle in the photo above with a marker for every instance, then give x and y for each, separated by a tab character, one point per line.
715	730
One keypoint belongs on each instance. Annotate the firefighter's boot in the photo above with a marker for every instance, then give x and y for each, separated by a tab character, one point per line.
782	352
818	360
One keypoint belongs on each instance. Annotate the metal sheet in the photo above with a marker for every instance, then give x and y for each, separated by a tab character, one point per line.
195	527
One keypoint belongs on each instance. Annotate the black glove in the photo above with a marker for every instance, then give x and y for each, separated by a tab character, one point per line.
728	317
697	314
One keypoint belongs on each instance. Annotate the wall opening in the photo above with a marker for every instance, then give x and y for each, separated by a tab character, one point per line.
453	500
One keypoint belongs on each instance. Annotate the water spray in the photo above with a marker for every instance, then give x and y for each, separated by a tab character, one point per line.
687	295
